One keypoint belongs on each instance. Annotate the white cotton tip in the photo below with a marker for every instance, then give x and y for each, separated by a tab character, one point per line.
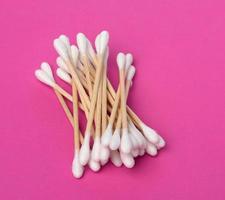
104	154
63	75
121	60
94	165
104	162
74	54
131	72
151	149
115	158
135	152
65	41
127	160
150	134
106	56
46	68
161	143
125	145
98	43
104	41
129	60
141	152
82	43
106	136
115	140
138	136
77	168
60	62
44	78
61	49
91	51
133	140
95	153
85	150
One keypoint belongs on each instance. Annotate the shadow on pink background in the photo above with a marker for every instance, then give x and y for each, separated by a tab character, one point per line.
179	89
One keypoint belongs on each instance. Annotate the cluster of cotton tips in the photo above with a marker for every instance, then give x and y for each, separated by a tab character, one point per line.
113	131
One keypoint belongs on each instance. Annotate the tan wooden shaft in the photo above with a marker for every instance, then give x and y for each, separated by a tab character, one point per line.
75	117
79	86
104	98
98	112
94	97
115	107
123	104
63	92
67	111
87	74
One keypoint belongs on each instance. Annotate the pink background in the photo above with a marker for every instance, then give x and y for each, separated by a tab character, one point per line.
179	51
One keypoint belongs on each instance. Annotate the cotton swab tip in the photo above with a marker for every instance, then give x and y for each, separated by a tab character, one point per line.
46	68
125	145
129	60
150	134
74	54
85	150
121	60
104	41
95	153
65	40
61	49
77	168
62	64
131	73
63	75
82	43
127	160
161	143
151	149
115	140
104	154
98	43
94	166
106	136
115	158
44	78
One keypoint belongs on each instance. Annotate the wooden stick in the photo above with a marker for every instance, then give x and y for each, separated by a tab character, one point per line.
67	111
79	86
87	74
115	107
94	96
104	97
75	117
123	99
98	112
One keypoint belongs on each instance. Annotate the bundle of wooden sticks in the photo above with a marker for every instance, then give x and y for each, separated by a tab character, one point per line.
113	131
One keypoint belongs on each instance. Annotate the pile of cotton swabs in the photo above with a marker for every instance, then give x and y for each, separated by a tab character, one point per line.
113	131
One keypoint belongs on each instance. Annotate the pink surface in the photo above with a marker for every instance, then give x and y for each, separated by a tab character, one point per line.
179	50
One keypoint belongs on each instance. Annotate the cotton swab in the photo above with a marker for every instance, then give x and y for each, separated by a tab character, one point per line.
77	168
115	139
125	145
85	149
